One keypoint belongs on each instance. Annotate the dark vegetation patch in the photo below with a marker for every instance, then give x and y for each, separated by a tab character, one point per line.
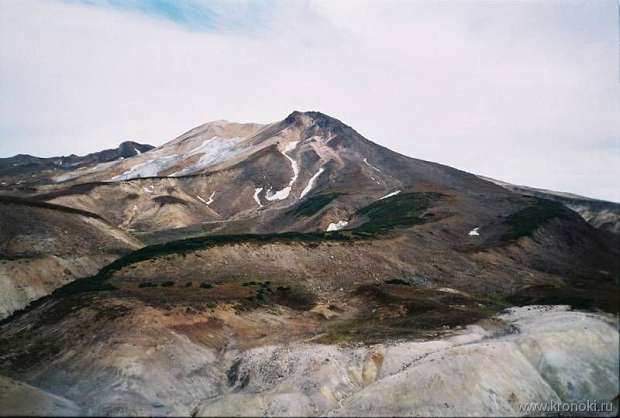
402	311
592	293
524	222
46	205
267	294
401	210
314	204
147	284
397	281
169	200
169	294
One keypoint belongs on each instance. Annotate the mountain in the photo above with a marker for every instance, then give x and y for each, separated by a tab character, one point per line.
599	213
298	268
226	177
26	170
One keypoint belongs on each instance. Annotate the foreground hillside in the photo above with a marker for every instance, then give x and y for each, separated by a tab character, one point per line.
297	268
44	246
176	366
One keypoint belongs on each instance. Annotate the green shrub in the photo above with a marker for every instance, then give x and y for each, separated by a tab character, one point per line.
147	284
401	210
524	222
397	281
314	204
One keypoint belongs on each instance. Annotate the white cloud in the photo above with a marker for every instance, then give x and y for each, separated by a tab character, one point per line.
526	92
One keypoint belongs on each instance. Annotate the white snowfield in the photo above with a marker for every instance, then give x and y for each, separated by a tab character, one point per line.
474	232
211	200
214	150
310	184
148	168
390	195
256	198
283	194
337	226
205	201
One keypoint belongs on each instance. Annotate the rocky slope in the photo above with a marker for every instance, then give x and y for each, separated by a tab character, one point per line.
495	367
20	399
44	246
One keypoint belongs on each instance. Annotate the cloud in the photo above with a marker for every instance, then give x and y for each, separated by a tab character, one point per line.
526	92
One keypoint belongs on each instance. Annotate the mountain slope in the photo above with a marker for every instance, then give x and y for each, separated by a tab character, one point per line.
18	399
301	243
254	182
44	246
600	213
24	170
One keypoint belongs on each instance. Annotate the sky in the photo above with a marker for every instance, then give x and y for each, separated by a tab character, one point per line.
523	91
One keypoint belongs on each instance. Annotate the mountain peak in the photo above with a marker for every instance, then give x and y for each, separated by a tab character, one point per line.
313	115
126	149
315	119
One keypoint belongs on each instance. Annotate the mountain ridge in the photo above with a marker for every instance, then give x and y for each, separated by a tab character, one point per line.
26	171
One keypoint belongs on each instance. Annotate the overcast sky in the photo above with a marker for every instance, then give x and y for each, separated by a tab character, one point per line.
523	91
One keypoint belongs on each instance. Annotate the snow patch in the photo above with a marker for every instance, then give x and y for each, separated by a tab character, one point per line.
205	201
474	232
283	194
149	189
137	151
311	183
215	150
370	165
390	195
337	226
211	198
149	168
256	198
